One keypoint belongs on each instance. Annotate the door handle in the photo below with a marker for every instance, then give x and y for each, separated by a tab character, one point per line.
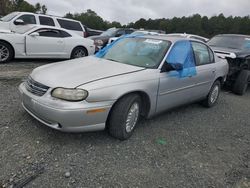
60	41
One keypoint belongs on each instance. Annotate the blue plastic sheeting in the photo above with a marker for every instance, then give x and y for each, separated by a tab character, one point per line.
103	51
182	53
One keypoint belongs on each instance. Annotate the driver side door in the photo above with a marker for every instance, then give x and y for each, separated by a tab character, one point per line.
177	87
47	43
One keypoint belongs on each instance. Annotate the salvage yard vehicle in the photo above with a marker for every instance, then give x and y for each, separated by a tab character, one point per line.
102	40
137	76
44	42
20	21
236	49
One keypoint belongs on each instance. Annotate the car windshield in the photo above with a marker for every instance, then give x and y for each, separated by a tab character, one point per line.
9	17
110	32
140	52
234	42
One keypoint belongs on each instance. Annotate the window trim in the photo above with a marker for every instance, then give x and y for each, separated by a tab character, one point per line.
48	30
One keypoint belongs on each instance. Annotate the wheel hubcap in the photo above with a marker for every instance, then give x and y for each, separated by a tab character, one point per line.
133	115
214	94
79	53
4	53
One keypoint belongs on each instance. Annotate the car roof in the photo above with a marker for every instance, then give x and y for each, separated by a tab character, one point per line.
172	39
47	15
233	35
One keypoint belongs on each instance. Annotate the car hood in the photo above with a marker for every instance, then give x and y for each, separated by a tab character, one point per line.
77	72
226	52
103	38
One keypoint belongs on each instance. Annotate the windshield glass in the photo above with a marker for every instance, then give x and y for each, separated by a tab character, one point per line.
9	17
234	42
110	32
140	52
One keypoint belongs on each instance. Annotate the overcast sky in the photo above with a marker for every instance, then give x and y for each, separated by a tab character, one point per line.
126	11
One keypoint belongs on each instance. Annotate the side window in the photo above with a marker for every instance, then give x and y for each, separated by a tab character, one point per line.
129	31
65	34
120	33
70	25
27	19
49	33
46	21
181	53
201	54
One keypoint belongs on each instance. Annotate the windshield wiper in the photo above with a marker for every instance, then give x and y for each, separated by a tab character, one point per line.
112	60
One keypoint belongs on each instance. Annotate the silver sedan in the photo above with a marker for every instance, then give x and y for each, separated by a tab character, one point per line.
133	77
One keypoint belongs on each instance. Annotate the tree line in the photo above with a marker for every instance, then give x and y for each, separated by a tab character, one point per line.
195	24
8	6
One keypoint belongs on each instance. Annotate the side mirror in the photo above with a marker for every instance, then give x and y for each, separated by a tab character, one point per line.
19	22
35	34
170	67
177	66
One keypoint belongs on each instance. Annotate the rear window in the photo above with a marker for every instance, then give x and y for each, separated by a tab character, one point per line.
46	21
70	25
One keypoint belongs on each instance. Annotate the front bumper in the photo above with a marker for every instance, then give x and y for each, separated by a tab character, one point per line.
65	116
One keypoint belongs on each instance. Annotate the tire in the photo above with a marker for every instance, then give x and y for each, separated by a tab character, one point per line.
213	95
241	83
79	52
128	107
6	52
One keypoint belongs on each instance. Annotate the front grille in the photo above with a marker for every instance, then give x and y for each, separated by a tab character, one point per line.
35	87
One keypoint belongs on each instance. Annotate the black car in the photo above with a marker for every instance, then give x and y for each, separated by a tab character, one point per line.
236	49
102	40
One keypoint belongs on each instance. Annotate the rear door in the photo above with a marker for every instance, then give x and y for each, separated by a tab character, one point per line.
205	67
50	43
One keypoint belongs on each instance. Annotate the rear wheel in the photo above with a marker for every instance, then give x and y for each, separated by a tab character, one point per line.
6	52
124	117
79	52
213	95
241	83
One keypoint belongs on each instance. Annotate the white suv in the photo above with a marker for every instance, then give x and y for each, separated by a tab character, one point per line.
17	21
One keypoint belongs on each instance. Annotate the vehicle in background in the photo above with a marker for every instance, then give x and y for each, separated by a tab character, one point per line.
102	40
20	21
44	42
139	32
191	36
92	32
236	49
139	76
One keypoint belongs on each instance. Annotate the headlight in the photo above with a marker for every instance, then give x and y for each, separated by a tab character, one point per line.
99	42
69	94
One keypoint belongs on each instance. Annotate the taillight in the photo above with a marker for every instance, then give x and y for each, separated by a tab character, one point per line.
85	34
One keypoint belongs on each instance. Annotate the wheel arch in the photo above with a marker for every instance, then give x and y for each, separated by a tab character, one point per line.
13	49
81	46
146	103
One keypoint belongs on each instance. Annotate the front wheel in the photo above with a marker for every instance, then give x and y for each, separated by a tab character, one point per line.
124	116
79	52
241	83
6	52
213	95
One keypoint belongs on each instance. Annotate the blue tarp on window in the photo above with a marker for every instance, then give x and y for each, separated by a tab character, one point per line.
182	53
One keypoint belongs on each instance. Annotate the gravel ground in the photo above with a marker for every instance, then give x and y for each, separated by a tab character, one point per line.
190	146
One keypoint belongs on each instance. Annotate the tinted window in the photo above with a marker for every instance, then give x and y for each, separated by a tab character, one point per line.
28	19
201	53
64	34
70	25
234	42
49	33
46	21
129	31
